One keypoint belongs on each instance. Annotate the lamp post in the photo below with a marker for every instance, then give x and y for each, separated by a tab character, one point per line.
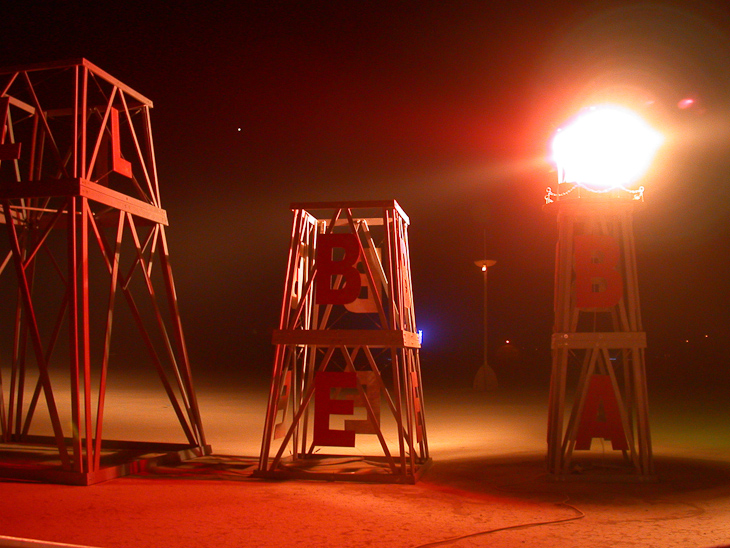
485	379
600	156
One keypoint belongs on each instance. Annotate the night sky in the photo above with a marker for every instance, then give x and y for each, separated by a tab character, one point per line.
447	107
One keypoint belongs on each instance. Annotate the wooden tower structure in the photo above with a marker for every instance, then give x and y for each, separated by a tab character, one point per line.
598	341
84	229
347	366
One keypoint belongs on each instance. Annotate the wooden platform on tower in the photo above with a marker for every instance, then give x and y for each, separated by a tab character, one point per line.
346	370
598	345
80	207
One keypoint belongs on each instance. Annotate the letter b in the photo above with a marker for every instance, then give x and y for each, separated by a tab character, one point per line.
330	271
598	283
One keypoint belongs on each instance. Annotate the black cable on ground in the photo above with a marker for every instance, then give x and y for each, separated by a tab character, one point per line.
519	526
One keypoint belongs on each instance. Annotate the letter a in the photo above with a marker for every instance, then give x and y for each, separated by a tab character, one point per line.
601	417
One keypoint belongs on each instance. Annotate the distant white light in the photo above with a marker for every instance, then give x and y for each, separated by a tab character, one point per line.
420	336
605	147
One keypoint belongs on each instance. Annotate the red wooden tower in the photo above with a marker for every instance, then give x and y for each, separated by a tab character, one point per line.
598	344
598	336
347	351
85	231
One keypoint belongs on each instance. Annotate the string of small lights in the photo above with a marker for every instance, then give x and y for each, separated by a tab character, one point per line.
636	194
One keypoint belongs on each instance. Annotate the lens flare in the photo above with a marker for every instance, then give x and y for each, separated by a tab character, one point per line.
605	147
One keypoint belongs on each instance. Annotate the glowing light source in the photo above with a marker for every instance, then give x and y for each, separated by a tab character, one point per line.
484	264
604	148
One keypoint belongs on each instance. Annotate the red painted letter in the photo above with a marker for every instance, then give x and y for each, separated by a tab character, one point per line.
601	417
365	302
119	164
598	283
324	406
367	380
327	268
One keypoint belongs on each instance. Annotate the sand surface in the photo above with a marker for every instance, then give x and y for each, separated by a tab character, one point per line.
487	487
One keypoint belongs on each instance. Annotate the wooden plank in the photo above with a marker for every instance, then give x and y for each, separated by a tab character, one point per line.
35	67
355	204
69	111
113	81
82	187
347	337
556	409
30	109
133	457
115	445
371	221
628	339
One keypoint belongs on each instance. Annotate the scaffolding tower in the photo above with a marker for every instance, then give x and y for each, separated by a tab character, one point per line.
346	368
598	342
84	229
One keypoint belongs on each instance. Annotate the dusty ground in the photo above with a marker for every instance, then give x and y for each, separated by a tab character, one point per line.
487	486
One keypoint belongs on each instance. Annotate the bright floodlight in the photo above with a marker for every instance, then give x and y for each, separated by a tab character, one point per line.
605	147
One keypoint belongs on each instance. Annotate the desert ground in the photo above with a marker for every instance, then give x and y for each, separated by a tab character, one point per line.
488	484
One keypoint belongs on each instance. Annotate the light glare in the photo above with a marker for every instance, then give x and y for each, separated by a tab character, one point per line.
606	147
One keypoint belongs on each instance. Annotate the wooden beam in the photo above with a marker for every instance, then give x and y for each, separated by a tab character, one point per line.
347	337
84	188
75	63
30	109
362	204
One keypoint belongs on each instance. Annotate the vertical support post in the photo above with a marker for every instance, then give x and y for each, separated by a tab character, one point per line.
73	330
86	334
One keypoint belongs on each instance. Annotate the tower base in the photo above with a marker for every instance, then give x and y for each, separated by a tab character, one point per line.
37	460
344	468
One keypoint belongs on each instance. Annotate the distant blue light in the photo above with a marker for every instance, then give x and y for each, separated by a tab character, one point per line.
420	336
